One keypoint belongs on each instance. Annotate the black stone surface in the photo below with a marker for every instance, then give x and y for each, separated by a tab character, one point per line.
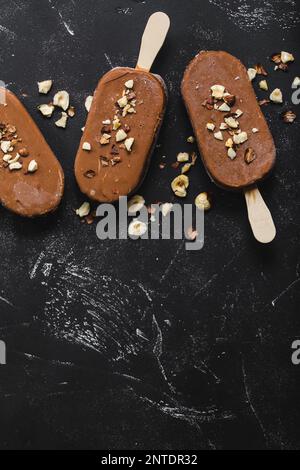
212	366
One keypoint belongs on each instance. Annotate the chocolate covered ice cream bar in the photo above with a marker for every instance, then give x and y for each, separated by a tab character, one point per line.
225	115
123	123
31	178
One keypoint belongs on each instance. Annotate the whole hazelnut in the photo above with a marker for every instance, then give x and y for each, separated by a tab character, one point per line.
23	152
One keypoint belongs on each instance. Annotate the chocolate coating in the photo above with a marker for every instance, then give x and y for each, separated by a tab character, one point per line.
211	68
29	194
107	183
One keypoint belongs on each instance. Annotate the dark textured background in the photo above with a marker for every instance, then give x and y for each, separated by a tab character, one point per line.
211	366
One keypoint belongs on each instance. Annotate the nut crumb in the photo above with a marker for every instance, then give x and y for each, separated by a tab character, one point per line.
129	84
32	167
62	122
183	157
210	126
46	110
251	74
179	185
276	96
86	146
121	135
84	210
203	202
289	117
45	86
129	143
218	135
249	156
263	85
88	103
62	100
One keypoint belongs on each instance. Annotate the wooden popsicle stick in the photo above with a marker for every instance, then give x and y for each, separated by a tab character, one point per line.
153	38
260	217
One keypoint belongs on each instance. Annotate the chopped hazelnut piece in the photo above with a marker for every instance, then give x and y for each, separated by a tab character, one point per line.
231	153
129	84
7	158
240	138
296	82
223	126
86	146
23	152
62	100
186	168
276	96
121	135
116	123
166	208
229	143
45	86
203	202
89	174
289	117
107	122
46	109
218	91
250	155
263	102
260	70
218	135
62	122
229	99
137	228
190	140
179	185
263	85
224	107
210	126
105	139
276	58
71	111
5	146
238	113
183	157
32	167
84	210
15	166
122	102
255	130
252	74
13	160
135	204
191	234
231	122
88	103
129	143
286	57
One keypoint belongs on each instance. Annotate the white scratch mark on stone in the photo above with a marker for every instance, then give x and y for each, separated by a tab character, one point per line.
285	291
249	399
6	301
66	25
169	267
146	292
36	265
108	60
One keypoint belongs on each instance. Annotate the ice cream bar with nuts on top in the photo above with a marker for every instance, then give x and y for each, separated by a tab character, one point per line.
123	123
31	178
234	140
